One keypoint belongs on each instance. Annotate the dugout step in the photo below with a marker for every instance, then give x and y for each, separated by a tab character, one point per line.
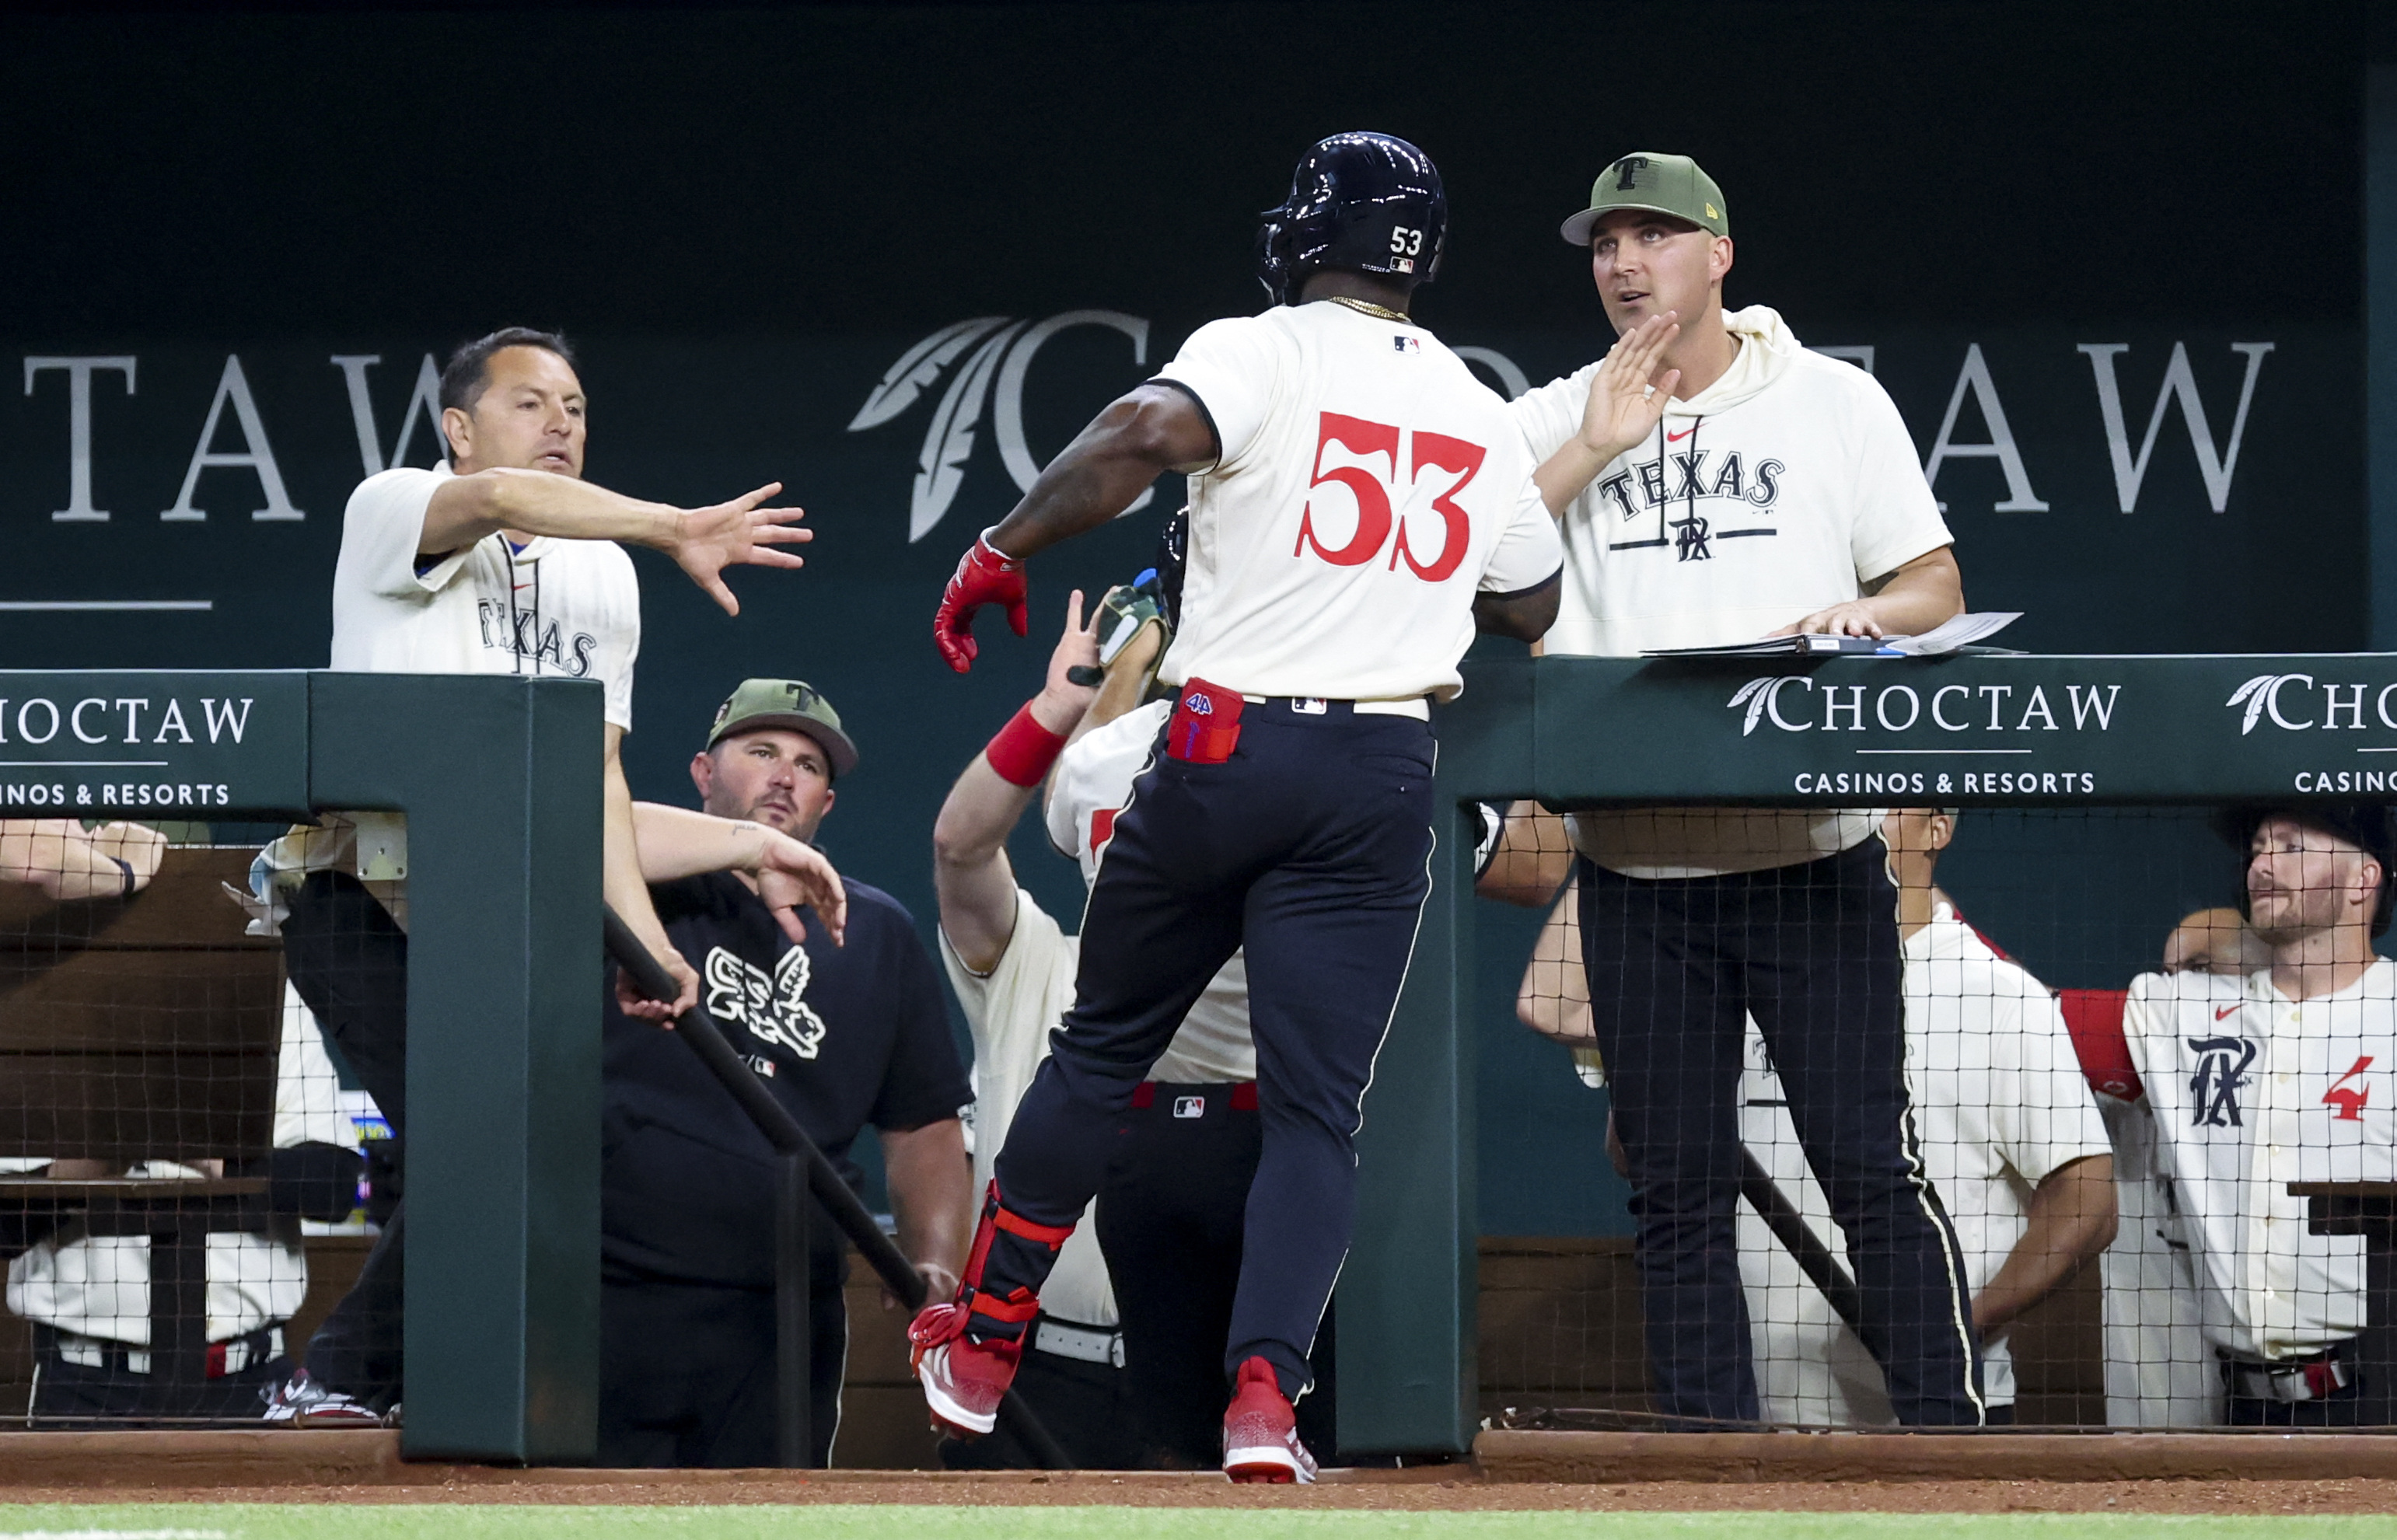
2265	1455
165	1460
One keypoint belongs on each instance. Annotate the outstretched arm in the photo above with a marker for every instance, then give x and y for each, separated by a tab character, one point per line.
621	884
971	875
65	861
1155	429
702	542
791	875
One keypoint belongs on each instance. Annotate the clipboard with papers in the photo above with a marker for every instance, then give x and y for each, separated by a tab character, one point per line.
1962	632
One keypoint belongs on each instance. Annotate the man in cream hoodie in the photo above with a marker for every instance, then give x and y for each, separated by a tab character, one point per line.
1717	483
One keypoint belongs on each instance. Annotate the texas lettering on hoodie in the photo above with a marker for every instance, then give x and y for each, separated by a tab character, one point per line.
1784	488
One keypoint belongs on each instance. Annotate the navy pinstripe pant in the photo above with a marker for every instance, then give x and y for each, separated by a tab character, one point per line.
1311	847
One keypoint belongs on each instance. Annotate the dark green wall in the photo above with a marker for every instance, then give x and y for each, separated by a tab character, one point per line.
746	217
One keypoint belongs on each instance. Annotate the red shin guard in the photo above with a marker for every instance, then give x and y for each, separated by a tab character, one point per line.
1006	1314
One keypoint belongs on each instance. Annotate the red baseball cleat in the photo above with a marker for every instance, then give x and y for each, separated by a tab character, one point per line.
963	1380
1261	1433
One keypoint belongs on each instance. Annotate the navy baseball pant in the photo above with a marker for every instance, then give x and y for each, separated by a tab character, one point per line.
1310	845
1811	952
348	959
1171	1217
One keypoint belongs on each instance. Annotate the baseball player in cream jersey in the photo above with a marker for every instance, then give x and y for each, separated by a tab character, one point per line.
85	1286
2009	1134
1717	483
1358	506
2160	1370
1117	1365
2277	1076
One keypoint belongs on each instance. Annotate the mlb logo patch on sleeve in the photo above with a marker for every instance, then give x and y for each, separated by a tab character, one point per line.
1190	1106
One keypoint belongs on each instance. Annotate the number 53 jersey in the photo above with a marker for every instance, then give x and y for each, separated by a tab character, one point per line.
1369	487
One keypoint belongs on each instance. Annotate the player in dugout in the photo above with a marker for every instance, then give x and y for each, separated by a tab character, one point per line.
1719	483
1124	1363
2259	1080
86	1289
502	559
1287	806
844	1036
2160	1370
2009	1131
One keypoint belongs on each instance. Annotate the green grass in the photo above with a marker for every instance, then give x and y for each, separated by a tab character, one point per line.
474	1522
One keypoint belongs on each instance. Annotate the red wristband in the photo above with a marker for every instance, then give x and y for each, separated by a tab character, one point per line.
1024	749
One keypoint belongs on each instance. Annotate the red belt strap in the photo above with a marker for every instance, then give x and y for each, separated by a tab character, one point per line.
1048	1234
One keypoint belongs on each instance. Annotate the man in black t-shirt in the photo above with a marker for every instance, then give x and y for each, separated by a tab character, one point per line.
844	1036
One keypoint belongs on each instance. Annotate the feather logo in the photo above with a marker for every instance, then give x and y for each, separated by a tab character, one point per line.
996	353
941	470
2262	694
917	369
1755	693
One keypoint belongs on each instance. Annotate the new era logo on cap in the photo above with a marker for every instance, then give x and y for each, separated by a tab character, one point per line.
1651	181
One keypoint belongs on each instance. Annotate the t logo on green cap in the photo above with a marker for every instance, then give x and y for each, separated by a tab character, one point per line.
1626	169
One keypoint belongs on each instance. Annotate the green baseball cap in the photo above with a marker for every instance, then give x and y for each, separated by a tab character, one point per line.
791	703
1655	185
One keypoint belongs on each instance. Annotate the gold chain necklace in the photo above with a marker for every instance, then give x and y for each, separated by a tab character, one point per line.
1366	307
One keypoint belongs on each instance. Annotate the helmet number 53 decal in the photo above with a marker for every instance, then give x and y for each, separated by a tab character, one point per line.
1405	242
1377	520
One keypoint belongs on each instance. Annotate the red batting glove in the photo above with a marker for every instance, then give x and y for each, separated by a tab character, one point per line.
985	575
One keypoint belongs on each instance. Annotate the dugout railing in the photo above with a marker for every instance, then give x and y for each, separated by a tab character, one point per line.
1972	731
501	786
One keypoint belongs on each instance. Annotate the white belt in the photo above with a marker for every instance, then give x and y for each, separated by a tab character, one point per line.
92	1352
2315	1379
1413	705
1088	1343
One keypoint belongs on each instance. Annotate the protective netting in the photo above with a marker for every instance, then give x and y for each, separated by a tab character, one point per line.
180	1192
2109	1082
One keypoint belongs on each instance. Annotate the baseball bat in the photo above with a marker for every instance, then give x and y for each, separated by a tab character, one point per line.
1816	1259
783	1132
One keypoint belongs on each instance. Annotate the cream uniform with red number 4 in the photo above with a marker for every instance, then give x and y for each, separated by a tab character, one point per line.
2252	1091
1369	487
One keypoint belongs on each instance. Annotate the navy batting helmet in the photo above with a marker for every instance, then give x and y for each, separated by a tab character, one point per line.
1368	203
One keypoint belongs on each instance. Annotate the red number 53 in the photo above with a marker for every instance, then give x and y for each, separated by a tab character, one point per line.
1375	518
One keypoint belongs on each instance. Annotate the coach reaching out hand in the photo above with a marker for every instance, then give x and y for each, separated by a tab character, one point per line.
503	561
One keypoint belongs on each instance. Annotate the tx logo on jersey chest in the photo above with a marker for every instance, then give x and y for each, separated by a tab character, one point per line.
2220	1075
